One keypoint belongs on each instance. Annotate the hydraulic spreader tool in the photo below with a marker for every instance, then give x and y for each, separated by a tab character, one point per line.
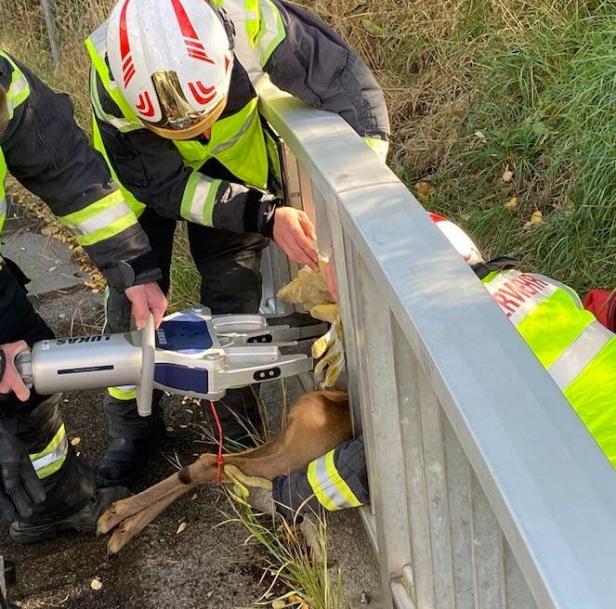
192	353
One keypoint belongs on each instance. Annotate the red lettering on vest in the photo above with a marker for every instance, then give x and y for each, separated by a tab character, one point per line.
508	306
517	290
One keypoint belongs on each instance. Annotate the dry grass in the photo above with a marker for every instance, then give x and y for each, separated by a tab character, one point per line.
532	76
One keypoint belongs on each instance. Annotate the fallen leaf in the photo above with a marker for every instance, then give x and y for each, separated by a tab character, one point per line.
278	604
194	497
513	202
295	599
424	189
76	440
373	28
170	429
508	175
96	584
480	136
535	219
182	527
304	606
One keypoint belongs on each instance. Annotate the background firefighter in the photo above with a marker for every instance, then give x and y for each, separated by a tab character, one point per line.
44	487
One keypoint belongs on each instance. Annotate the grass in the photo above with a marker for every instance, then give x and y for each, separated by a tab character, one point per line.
475	88
306	583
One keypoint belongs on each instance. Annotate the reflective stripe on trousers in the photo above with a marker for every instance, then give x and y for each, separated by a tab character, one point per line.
123	392
331	491
52	457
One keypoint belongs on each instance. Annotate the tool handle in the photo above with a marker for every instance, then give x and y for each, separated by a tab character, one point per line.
23	364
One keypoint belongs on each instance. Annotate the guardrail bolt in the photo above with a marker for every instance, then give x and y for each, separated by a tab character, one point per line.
364	598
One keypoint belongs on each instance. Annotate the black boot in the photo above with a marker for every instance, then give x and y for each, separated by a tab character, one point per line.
83	520
125	459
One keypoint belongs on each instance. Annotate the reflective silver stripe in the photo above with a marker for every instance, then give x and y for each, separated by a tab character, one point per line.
579	354
18	87
236	138
99	38
99	41
102	220
271	32
199	199
121	124
326	485
530	302
58	454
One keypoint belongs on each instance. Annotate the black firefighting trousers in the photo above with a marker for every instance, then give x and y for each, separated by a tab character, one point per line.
230	283
39	420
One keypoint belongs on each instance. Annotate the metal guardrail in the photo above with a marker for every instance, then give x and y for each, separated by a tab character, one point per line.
487	491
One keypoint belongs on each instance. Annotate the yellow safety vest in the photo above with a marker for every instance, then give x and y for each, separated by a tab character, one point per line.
577	351
236	141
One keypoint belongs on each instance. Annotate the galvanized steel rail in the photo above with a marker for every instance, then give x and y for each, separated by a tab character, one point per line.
487	492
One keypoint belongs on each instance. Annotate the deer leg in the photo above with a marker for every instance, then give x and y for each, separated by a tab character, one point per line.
133	525
200	472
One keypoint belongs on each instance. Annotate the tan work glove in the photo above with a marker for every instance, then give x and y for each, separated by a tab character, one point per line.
330	349
310	290
252	491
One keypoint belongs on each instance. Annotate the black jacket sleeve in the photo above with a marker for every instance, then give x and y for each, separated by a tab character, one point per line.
50	156
314	64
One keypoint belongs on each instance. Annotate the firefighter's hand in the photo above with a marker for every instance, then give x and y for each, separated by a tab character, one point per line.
20	487
295	234
145	299
330	349
11	380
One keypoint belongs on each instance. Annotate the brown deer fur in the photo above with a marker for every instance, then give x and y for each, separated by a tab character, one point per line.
317	423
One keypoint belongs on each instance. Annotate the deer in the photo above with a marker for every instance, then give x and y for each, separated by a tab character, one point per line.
317	422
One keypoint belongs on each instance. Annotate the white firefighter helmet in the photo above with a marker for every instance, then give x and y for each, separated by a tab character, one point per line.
458	238
172	61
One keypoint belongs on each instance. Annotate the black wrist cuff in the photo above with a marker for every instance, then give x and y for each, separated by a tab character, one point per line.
127	273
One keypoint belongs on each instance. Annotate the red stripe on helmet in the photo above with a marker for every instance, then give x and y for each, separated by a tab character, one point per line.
187	29
199	55
124	42
145	105
194	43
201	93
128	74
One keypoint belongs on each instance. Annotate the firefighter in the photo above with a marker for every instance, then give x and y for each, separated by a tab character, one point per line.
578	352
44	487
173	88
